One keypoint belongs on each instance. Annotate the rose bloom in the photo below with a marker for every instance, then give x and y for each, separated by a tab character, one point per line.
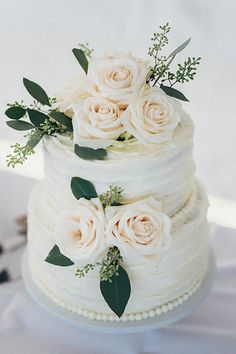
80	234
97	122
118	76
152	116
139	229
75	91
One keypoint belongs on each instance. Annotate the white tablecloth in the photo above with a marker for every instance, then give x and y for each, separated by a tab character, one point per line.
26	328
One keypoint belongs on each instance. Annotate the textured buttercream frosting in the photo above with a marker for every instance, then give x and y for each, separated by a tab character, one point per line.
165	172
182	267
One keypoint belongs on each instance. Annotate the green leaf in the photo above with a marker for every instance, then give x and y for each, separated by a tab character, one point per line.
117	291
180	48
35	139
19	125
57	258
36	92
62	119
89	153
170	91
81	57
81	188
15	112
36	117
116	204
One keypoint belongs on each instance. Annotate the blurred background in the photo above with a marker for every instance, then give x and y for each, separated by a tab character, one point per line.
36	38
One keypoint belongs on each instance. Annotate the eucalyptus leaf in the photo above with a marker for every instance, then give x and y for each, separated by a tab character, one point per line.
81	57
15	112
62	119
36	91
116	204
35	139
57	258
20	125
117	291
89	153
180	48
81	188
36	117
170	91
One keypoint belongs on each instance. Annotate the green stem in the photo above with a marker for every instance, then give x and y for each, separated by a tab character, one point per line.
163	71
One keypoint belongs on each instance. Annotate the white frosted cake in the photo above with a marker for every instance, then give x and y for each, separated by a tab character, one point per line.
117	229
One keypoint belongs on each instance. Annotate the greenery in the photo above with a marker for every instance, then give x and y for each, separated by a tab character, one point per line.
36	117
21	153
37	92
81	57
81	188
124	136
62	119
86	49
57	258
112	196
19	125
89	153
81	272
42	122
170	91
15	112
115	285
160	71
110	264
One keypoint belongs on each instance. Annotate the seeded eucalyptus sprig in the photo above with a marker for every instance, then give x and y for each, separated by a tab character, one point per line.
110	264
114	282
35	117
111	197
160	71
20	153
81	272
86	49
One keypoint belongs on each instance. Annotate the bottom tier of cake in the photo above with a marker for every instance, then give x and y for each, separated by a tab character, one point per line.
155	288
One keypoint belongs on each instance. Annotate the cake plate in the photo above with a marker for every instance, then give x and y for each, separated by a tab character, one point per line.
159	321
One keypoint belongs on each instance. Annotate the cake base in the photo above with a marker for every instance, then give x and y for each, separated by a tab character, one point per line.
158	321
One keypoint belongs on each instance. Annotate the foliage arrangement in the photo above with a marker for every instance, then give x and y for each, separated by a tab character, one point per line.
112	196
40	118
114	281
160	71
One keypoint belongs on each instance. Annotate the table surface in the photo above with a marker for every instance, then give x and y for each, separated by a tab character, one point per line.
27	328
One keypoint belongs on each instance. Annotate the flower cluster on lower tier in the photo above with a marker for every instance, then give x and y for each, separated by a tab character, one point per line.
138	229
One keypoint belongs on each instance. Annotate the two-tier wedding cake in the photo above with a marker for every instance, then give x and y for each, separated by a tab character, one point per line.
117	228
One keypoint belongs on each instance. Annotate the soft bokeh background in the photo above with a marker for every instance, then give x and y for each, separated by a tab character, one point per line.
36	38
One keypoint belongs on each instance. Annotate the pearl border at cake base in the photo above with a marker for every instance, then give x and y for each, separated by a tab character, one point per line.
186	305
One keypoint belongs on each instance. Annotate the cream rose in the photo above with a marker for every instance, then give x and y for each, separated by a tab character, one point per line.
152	116
75	91
139	229
97	122
118	76
80	234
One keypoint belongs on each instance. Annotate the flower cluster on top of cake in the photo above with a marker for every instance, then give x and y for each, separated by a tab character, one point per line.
117	98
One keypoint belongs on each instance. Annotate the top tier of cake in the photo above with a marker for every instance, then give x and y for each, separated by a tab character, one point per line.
165	171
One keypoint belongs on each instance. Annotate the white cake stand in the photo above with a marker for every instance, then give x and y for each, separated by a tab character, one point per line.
158	321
